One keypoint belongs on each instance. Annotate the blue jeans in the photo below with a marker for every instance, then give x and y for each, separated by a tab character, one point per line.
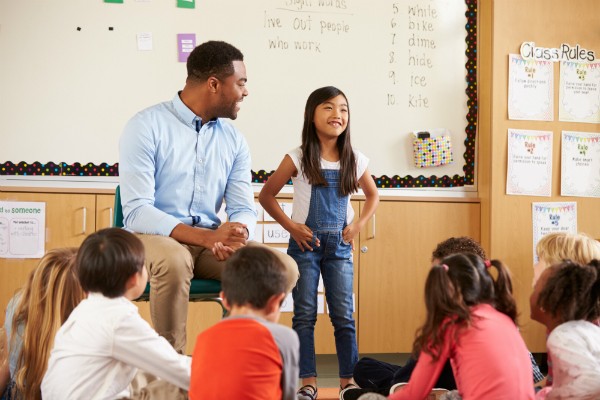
333	260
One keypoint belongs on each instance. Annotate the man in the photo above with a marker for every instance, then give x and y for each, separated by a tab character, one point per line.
178	161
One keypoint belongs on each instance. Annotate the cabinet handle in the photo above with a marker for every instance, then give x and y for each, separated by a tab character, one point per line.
84	224
373	225
110	214
364	249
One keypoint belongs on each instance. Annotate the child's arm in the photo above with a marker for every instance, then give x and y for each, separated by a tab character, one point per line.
367	184
300	232
135	343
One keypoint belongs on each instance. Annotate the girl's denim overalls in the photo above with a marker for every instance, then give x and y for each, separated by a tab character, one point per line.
333	260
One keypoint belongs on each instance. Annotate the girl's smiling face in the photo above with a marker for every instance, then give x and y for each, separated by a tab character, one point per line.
331	117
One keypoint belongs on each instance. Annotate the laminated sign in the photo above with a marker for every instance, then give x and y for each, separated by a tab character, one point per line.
432	151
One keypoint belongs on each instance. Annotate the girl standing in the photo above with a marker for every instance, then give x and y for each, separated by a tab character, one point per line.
471	321
325	171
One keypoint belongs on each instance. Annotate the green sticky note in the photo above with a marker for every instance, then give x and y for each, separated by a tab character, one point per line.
113	1
186	3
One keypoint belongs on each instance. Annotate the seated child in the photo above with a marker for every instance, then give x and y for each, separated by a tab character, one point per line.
375	376
555	247
566	299
461	325
34	315
248	355
104	341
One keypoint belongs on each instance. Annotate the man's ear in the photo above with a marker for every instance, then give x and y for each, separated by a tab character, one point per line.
213	84
225	302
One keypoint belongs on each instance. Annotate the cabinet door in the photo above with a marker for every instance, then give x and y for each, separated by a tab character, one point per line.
69	219
394	262
104	210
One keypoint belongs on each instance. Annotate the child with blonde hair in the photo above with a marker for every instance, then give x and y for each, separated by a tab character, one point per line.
34	315
559	246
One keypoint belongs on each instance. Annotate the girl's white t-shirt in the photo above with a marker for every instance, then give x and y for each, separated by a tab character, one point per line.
302	189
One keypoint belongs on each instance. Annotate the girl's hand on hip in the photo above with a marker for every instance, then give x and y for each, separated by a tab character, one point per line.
304	237
349	233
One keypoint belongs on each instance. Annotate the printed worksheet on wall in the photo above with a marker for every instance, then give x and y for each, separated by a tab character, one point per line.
552	217
580	164
530	89
529	163
579	92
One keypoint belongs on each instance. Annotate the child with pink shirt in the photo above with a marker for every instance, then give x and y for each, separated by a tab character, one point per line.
470	321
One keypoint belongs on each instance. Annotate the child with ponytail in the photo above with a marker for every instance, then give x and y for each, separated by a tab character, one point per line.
470	321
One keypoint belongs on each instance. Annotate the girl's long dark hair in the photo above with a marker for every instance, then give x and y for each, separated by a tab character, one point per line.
451	289
311	147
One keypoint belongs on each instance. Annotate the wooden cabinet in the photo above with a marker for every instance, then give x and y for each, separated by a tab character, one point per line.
394	262
391	260
69	219
104	210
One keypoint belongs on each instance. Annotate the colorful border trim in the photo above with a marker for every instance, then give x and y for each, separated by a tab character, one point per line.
104	169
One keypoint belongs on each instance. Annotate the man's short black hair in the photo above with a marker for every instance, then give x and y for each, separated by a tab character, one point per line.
212	58
252	275
107	259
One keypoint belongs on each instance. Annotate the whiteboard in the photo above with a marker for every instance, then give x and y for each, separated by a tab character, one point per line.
66	93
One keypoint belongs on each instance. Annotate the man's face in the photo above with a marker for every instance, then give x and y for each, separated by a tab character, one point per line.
232	91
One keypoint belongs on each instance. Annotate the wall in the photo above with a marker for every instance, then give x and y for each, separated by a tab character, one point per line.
507	220
70	91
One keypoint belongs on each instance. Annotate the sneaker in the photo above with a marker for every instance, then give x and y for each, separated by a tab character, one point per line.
307	392
397	386
353	393
435	394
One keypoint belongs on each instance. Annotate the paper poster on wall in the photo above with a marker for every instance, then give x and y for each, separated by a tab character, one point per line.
580	164
287	209
22	229
144	41
260	211
185	44
529	163
275	233
552	217
530	89
579	99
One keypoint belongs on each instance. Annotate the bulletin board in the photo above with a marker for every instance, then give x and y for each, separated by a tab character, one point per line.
71	75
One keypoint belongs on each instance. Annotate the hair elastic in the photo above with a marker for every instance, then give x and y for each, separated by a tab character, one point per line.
445	267
487	263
